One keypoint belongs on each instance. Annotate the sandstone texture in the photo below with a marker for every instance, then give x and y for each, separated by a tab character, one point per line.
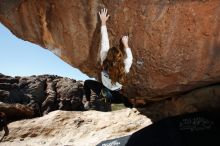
203	99
175	43
74	128
28	97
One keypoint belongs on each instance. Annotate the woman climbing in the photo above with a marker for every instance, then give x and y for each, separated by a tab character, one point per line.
114	66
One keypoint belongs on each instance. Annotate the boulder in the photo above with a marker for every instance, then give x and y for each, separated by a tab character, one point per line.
33	96
175	43
203	99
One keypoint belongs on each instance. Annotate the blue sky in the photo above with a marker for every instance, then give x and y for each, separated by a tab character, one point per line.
22	58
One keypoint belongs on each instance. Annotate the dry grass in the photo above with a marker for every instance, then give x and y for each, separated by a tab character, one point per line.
116	107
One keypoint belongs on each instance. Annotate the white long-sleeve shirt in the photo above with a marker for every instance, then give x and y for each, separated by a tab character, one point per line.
103	53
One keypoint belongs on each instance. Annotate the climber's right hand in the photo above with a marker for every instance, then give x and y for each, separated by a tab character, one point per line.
125	41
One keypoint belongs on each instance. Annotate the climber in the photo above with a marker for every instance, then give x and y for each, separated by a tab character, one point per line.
3	123
114	66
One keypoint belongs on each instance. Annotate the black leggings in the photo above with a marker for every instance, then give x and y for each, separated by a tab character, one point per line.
96	87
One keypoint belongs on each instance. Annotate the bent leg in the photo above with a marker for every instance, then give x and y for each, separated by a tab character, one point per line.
95	86
3	123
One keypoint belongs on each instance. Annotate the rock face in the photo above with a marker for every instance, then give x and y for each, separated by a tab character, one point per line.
204	99
27	97
175	43
74	128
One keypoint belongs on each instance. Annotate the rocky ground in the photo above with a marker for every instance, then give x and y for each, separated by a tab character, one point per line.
33	96
74	128
51	113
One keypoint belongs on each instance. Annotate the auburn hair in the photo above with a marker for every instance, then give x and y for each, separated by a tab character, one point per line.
114	65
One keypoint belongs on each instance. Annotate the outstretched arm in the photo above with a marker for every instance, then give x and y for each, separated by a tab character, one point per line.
104	34
129	58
